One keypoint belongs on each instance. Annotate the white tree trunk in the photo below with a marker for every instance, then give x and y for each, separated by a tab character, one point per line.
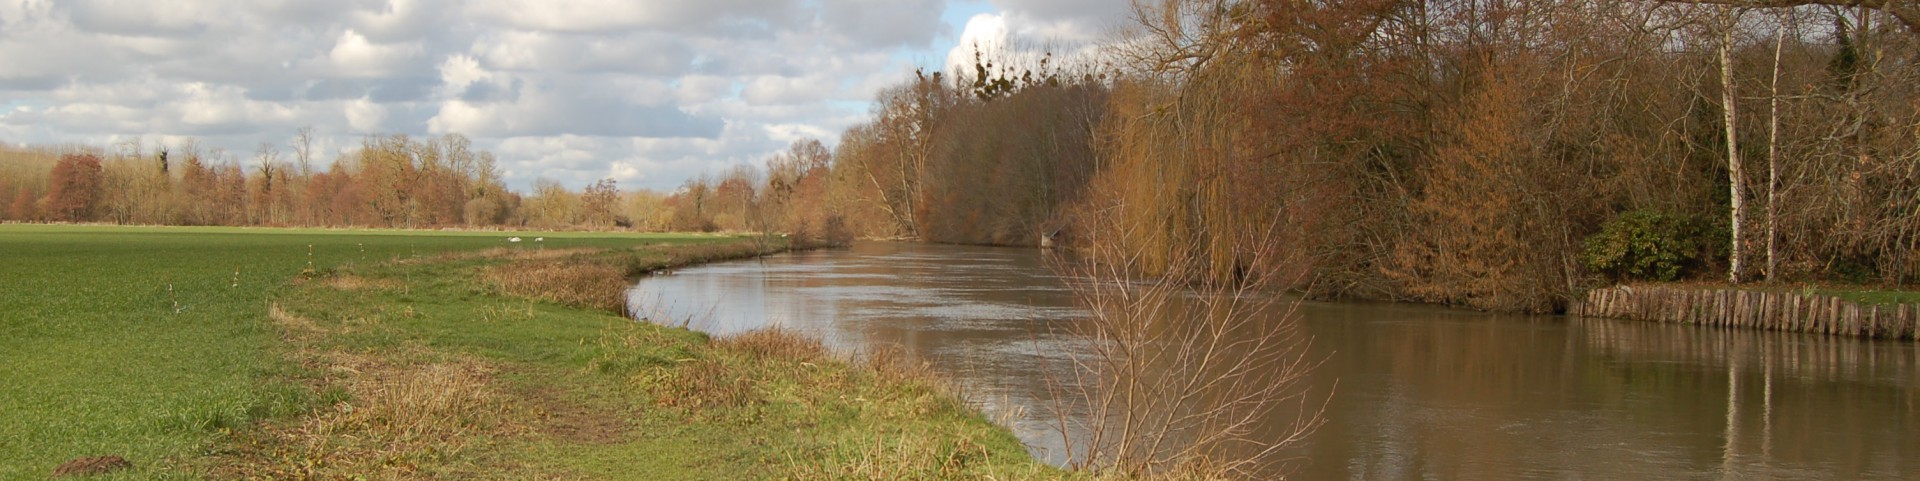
1734	170
1773	148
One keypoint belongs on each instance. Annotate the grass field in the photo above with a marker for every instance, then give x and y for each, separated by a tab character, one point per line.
236	353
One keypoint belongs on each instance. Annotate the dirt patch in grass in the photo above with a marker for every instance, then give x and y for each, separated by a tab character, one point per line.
349	282
293	327
92	465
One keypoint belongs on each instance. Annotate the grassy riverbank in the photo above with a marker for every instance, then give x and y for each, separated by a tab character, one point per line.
234	353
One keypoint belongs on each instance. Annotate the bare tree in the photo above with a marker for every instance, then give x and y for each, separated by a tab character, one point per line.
1907	12
303	151
1189	381
267	200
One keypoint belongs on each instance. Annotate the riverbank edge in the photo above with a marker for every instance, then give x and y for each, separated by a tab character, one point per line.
699	407
1801	312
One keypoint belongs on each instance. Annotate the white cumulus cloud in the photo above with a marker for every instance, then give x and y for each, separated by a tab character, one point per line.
648	92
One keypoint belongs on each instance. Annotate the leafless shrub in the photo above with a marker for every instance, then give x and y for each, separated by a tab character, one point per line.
1183	380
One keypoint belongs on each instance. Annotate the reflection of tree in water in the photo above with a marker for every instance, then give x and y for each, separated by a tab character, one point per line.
1785	404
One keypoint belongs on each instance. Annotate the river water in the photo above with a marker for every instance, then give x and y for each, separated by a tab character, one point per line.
1411	392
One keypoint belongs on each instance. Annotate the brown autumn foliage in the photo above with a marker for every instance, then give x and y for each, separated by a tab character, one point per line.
1008	166
400	181
73	189
1439	151
389	181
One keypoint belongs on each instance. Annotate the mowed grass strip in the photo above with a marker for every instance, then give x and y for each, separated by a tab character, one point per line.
437	356
151	342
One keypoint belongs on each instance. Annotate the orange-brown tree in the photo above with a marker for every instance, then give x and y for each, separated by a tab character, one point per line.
74	188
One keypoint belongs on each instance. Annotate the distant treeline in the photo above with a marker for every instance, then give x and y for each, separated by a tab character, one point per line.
393	181
1493	154
388	181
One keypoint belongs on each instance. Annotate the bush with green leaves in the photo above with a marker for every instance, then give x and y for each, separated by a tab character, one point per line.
1650	245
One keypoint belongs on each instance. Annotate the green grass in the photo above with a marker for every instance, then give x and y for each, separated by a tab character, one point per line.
1871	296
334	371
96	359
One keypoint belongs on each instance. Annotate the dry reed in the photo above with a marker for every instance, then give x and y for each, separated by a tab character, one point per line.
584	284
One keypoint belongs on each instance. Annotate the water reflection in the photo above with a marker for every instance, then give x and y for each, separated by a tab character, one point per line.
1422	393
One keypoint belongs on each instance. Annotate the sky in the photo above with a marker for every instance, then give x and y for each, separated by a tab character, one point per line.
647	92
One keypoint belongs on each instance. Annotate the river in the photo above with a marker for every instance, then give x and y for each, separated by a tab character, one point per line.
1411	392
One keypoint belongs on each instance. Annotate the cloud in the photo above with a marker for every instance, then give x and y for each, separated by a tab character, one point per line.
703	88
725	17
141	18
557	108
1074	33
364	116
221	109
353	56
1065	21
648	53
647	92
985	33
782	90
403	20
458	72
884	23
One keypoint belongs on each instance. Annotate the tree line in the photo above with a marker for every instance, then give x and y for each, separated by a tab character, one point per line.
1498	154
393	181
389	181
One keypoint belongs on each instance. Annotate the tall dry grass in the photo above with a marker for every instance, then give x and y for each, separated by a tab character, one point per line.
893	397
396	421
398	415
591	285
775	343
598	278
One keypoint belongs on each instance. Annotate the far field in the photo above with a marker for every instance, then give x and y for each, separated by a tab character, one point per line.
230	353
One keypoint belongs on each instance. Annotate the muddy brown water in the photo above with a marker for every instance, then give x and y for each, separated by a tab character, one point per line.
1412	392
